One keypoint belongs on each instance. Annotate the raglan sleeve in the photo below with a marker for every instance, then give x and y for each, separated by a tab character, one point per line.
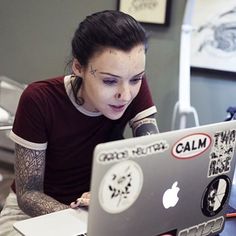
29	129
143	105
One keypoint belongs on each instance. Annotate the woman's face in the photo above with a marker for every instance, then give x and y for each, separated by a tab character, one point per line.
111	80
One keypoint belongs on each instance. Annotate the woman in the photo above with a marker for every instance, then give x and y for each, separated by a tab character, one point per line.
59	121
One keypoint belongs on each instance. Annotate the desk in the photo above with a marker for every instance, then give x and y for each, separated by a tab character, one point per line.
230	224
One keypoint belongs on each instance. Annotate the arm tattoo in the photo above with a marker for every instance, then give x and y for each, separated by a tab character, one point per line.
145	126
29	177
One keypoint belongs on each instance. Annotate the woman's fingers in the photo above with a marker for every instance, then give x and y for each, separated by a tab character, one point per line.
75	204
86	195
84	200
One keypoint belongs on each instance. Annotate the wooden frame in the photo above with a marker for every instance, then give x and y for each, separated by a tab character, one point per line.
150	11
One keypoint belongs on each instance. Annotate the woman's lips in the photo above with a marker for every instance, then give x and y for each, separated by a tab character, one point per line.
118	108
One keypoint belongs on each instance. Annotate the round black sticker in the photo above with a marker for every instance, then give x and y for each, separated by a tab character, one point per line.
215	195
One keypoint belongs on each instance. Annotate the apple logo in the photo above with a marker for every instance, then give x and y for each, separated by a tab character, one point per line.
170	197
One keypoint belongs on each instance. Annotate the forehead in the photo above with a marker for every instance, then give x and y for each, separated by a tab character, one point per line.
107	51
115	59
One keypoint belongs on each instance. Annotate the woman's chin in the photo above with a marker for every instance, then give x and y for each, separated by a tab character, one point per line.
113	116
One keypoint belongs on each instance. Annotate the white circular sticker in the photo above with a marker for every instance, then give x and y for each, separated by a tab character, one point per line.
120	186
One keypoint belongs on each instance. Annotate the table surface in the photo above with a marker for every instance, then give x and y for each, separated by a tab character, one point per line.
230	223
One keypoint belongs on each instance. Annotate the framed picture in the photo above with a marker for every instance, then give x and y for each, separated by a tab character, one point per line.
147	11
213	44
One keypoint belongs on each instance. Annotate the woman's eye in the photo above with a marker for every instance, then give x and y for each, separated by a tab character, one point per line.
136	80
109	81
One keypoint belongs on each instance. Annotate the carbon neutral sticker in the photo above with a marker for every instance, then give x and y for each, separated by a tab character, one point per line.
120	186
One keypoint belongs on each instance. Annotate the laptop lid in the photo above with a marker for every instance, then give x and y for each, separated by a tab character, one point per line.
176	182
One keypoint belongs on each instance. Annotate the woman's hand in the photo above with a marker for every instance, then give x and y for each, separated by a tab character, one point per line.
81	201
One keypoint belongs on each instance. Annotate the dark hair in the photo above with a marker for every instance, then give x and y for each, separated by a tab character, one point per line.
104	29
108	28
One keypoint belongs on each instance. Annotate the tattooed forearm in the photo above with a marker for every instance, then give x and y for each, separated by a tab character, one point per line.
145	126
29	177
36	203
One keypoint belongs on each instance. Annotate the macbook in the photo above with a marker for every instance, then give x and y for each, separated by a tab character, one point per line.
175	183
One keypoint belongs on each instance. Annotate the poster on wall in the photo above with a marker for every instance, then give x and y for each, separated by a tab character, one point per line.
148	11
213	43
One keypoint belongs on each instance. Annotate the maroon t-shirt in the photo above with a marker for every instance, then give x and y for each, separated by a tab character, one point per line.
48	118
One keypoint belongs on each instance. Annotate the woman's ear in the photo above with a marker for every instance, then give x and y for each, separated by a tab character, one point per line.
76	67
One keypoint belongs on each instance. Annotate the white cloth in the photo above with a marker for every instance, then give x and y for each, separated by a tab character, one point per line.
10	214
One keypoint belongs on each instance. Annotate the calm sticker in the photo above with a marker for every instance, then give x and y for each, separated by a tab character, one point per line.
191	146
120	186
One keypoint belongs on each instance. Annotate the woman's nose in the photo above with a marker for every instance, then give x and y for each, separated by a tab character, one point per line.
124	93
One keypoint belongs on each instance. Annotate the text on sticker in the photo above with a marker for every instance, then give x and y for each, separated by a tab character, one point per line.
138	151
222	152
204	229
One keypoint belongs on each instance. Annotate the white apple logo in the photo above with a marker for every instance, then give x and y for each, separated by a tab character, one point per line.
170	197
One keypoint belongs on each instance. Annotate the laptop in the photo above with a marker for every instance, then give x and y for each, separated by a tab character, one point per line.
61	223
175	183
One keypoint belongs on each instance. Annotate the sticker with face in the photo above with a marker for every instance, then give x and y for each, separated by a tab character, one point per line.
120	186
215	195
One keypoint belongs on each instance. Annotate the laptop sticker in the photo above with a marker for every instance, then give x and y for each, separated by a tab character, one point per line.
222	152
215	195
204	229
135	152
120	186
191	146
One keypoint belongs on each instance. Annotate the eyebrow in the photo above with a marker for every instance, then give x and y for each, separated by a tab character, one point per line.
117	76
